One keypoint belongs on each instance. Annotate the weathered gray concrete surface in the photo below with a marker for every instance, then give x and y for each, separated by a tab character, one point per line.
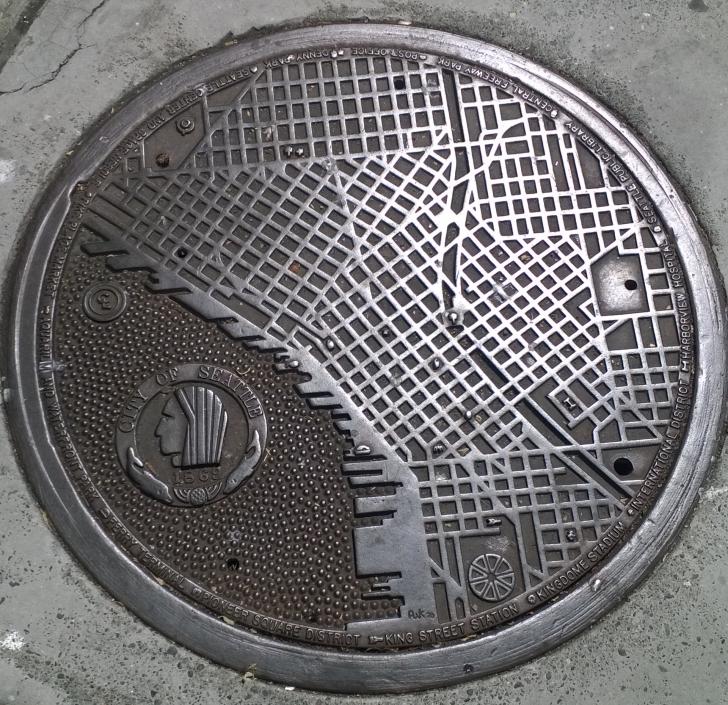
662	65
16	16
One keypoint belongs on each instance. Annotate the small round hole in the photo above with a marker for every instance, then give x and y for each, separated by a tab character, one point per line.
630	284
623	466
233	564
162	159
399	83
182	252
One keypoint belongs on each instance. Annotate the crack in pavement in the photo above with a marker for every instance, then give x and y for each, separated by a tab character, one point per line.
80	32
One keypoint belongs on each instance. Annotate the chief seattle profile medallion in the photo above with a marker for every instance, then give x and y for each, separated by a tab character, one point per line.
191	434
351	342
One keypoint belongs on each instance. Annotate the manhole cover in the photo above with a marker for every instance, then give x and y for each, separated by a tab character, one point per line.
352	342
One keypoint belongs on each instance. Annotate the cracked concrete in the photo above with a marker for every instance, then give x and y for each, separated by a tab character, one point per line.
17	66
662	66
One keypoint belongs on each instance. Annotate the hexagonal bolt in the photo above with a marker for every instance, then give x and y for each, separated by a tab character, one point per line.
185	125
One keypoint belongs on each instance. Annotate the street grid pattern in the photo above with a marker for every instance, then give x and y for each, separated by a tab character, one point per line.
430	244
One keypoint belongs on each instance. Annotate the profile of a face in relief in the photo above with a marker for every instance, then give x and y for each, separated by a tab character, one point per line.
192	427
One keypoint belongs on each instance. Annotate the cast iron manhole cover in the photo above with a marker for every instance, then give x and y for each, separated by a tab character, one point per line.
348	343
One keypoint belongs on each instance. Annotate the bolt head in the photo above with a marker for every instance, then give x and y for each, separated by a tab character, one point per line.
185	125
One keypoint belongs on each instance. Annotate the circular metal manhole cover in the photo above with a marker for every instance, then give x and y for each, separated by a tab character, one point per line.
344	344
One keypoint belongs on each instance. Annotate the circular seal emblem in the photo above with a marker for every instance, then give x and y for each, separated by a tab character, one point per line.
191	434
